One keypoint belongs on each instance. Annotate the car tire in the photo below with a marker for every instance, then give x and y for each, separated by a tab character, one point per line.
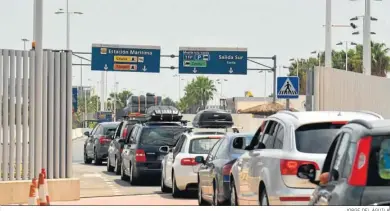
86	159
134	180
96	159
215	195
264	198
164	188
109	167
201	201
124	177
117	168
176	193
233	194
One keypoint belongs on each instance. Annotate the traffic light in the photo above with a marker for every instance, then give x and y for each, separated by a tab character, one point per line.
353	26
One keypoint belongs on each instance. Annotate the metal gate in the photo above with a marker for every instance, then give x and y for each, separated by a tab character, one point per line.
22	154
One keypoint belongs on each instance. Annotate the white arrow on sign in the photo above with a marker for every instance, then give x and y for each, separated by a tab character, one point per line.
105	67
144	69
195	70
231	70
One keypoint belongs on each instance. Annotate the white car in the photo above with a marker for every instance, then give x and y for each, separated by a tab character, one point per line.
179	169
266	174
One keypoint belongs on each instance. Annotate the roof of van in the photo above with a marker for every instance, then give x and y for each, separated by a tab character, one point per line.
307	117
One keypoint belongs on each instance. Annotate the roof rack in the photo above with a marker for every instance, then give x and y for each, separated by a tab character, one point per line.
362	122
288	113
372	113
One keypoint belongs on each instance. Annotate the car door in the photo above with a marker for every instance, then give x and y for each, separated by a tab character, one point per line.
330	193
169	160
113	143
91	141
128	148
243	163
262	162
204	178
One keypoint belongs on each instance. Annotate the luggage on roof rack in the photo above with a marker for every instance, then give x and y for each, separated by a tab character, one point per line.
163	113
213	118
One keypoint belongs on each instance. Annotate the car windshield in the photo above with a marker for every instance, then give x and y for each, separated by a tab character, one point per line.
160	136
202	145
316	138
109	129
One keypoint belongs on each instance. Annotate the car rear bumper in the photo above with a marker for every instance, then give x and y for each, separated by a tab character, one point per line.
290	196
186	180
148	169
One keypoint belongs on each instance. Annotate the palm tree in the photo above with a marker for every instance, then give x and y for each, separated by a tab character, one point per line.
204	89
380	60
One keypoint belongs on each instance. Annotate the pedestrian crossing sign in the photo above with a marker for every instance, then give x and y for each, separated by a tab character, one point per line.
287	87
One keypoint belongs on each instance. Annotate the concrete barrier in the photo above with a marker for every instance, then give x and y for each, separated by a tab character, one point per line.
17	192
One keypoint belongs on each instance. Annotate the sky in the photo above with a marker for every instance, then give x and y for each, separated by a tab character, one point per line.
285	28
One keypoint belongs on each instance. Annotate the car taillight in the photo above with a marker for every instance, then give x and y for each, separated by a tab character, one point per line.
103	140
226	169
215	137
188	162
339	123
358	176
140	156
290	167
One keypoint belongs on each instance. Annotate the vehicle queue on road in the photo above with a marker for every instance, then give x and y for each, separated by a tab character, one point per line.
294	158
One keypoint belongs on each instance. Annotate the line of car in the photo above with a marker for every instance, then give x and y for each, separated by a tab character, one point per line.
294	158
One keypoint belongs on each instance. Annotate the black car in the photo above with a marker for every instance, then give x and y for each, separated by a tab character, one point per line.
356	170
141	155
117	144
214	172
98	141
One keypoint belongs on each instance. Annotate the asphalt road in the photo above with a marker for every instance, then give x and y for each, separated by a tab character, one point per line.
95	181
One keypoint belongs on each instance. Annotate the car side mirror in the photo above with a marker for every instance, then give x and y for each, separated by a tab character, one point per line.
261	145
307	171
86	133
199	159
238	143
164	149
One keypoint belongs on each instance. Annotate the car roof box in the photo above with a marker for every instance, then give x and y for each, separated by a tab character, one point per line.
213	118
163	113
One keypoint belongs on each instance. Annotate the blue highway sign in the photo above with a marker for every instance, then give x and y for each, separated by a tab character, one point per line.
74	98
213	61
125	58
287	87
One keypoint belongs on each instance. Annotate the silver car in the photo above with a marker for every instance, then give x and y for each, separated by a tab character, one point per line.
266	173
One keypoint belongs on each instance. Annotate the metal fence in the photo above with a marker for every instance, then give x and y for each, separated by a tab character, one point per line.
24	150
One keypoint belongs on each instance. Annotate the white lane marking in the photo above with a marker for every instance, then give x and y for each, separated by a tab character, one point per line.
91	175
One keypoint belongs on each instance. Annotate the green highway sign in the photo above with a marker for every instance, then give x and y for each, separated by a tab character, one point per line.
195	63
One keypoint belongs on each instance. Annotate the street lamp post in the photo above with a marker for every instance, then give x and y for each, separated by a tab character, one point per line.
115	98
24	43
366	36
220	81
328	34
67	13
319	56
265	82
346	52
180	79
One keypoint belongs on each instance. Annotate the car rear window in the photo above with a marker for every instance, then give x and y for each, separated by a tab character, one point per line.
110	129
160	136
379	163
317	137
202	145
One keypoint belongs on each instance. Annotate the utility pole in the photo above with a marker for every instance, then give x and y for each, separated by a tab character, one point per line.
24	43
328	34
367	39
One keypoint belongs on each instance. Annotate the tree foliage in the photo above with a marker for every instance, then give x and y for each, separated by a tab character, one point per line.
197	93
379	66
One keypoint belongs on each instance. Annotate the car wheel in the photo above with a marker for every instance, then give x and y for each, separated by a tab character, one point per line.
201	201
264	198
124	177
97	160
164	188
117	168
86	159
175	191
233	194
109	167
134	180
